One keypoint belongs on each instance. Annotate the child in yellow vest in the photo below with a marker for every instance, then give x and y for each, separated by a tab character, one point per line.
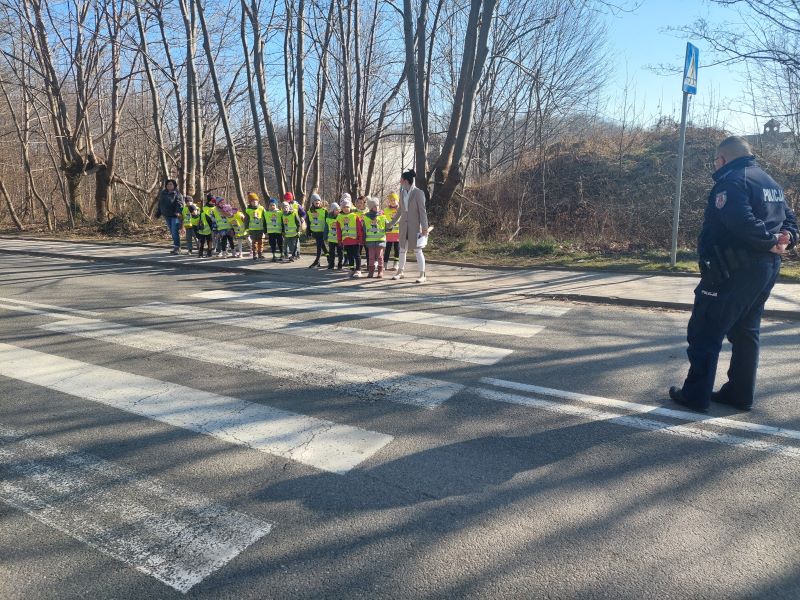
291	231
331	235
316	225
274	227
393	234
255	221
190	214
239	232
374	237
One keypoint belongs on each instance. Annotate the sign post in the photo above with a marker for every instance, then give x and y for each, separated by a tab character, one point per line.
690	67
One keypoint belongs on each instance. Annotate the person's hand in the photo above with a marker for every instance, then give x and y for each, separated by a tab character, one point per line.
778	249
784	238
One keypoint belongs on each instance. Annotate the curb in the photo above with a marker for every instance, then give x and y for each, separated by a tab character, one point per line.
432	261
641	303
213	268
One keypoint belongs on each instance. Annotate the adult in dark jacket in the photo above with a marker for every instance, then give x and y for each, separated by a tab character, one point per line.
170	206
747	226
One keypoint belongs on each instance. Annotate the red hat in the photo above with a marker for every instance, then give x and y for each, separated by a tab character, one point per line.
288	196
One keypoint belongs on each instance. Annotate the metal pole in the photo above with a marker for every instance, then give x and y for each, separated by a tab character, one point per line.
676	205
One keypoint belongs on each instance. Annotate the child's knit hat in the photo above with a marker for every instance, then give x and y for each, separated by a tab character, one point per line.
373	203
333	207
346	202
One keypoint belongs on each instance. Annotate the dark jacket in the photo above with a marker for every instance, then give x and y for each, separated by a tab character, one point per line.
170	204
745	210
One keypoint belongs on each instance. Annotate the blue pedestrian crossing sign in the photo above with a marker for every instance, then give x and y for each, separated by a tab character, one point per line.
690	69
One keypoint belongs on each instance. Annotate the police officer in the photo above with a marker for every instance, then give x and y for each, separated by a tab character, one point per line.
746	228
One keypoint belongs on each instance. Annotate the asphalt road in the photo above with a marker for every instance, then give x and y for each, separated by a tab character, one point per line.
289	441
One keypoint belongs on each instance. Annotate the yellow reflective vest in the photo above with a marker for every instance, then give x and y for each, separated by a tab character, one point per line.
223	222
256	218
290	229
187	217
332	238
349	225
204	224
375	228
389	213
274	223
316	219
237	221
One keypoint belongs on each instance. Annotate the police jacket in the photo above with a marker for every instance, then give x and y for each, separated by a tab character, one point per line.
745	210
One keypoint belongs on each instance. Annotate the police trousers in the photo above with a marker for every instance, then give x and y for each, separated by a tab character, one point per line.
731	308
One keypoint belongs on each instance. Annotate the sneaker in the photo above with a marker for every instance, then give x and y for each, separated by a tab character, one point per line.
676	395
421	278
255	257
176	251
399	275
356	274
237	255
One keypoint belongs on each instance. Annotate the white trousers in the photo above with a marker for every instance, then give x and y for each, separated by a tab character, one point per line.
420	259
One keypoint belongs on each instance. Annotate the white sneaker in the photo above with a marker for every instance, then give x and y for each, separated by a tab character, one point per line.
236	255
421	278
398	276
356	274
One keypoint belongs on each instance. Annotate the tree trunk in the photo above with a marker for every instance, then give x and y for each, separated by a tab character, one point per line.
223	113
258	60
251	94
154	101
414	93
11	210
300	140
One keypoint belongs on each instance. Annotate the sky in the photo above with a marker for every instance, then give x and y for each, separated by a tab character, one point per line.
640	40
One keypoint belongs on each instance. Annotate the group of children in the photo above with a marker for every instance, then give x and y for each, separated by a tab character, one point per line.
342	231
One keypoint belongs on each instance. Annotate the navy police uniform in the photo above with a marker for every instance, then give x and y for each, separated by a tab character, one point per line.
746	210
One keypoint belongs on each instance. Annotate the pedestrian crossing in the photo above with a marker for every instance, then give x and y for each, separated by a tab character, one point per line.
315	442
176	536
418	317
475	300
146	523
386	341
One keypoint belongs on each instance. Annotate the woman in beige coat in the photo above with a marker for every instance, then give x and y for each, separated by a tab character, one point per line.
413	221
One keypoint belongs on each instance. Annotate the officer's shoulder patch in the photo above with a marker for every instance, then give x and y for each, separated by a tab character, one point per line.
721	199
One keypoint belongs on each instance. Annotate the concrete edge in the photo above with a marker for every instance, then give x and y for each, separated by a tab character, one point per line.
641	303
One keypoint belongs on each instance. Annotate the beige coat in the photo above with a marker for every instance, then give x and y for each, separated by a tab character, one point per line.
412	221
